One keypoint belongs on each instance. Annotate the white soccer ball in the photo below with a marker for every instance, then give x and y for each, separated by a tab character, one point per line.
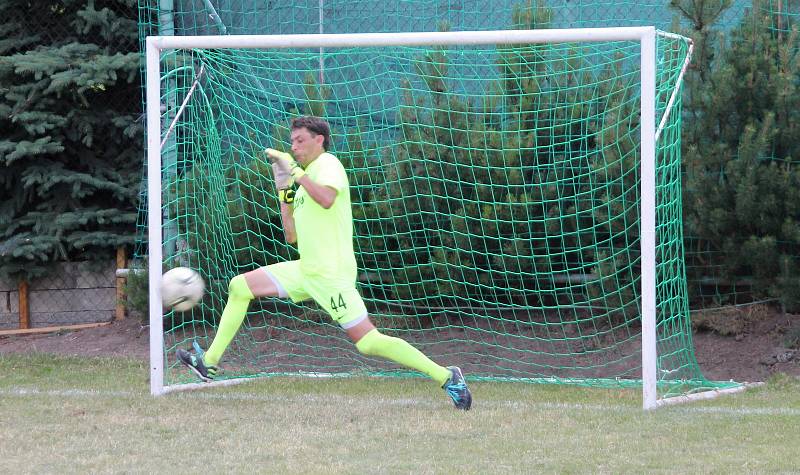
181	288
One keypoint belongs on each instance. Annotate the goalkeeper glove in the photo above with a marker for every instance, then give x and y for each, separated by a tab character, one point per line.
286	163
286	195
282	178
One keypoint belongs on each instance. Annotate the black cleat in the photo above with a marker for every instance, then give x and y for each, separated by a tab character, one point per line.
194	361
456	388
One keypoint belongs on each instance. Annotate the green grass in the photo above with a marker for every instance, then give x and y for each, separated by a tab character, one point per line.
62	414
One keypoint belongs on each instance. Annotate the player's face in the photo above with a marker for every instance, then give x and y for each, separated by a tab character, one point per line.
306	145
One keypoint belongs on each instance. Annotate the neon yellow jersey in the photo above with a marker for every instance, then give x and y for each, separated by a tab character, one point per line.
325	236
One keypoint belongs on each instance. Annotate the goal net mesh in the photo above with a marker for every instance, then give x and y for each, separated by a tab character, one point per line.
496	204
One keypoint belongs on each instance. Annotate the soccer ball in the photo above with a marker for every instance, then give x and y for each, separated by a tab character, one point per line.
181	288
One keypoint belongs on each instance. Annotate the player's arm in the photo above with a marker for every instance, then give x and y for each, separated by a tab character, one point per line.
283	183
287	218
323	194
286	165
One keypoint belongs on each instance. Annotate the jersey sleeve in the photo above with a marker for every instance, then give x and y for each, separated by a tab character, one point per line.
332	174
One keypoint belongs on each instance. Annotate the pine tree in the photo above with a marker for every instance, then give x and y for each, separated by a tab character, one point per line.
71	148
499	203
741	151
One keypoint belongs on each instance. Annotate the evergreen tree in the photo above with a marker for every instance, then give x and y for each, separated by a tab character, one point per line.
741	151
70	153
491	191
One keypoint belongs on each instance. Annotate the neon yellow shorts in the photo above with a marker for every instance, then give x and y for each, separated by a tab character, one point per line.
339	299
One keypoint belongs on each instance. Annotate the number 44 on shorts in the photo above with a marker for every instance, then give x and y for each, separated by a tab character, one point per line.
337	305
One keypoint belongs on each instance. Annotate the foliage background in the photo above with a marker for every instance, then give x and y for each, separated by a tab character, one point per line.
71	147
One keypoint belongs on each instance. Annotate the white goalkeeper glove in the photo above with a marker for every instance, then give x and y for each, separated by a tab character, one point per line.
285	163
283	179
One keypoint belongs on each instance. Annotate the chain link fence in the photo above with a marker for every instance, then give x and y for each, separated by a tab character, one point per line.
54	23
237	17
233	17
73	293
88	292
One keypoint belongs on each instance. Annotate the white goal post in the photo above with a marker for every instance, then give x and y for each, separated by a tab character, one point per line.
646	36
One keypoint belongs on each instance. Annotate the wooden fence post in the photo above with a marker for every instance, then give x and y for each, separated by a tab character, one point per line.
24	308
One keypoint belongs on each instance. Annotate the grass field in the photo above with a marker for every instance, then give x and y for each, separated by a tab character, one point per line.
95	415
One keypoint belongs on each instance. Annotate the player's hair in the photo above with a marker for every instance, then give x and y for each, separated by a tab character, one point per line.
314	125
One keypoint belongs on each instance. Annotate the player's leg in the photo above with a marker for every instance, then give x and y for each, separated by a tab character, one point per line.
204	364
347	308
370	341
269	281
241	290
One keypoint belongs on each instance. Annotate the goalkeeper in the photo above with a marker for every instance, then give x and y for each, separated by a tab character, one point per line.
318	217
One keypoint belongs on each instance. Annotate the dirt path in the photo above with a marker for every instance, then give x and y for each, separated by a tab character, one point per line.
755	349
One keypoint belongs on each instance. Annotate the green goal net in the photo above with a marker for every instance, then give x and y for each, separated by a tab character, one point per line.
497	203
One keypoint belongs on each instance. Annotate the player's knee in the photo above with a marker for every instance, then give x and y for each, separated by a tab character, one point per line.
238	288
368	344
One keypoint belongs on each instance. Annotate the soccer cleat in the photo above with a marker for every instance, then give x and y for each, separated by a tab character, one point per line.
194	361
456	388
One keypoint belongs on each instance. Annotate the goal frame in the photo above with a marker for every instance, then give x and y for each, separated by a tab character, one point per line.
646	36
